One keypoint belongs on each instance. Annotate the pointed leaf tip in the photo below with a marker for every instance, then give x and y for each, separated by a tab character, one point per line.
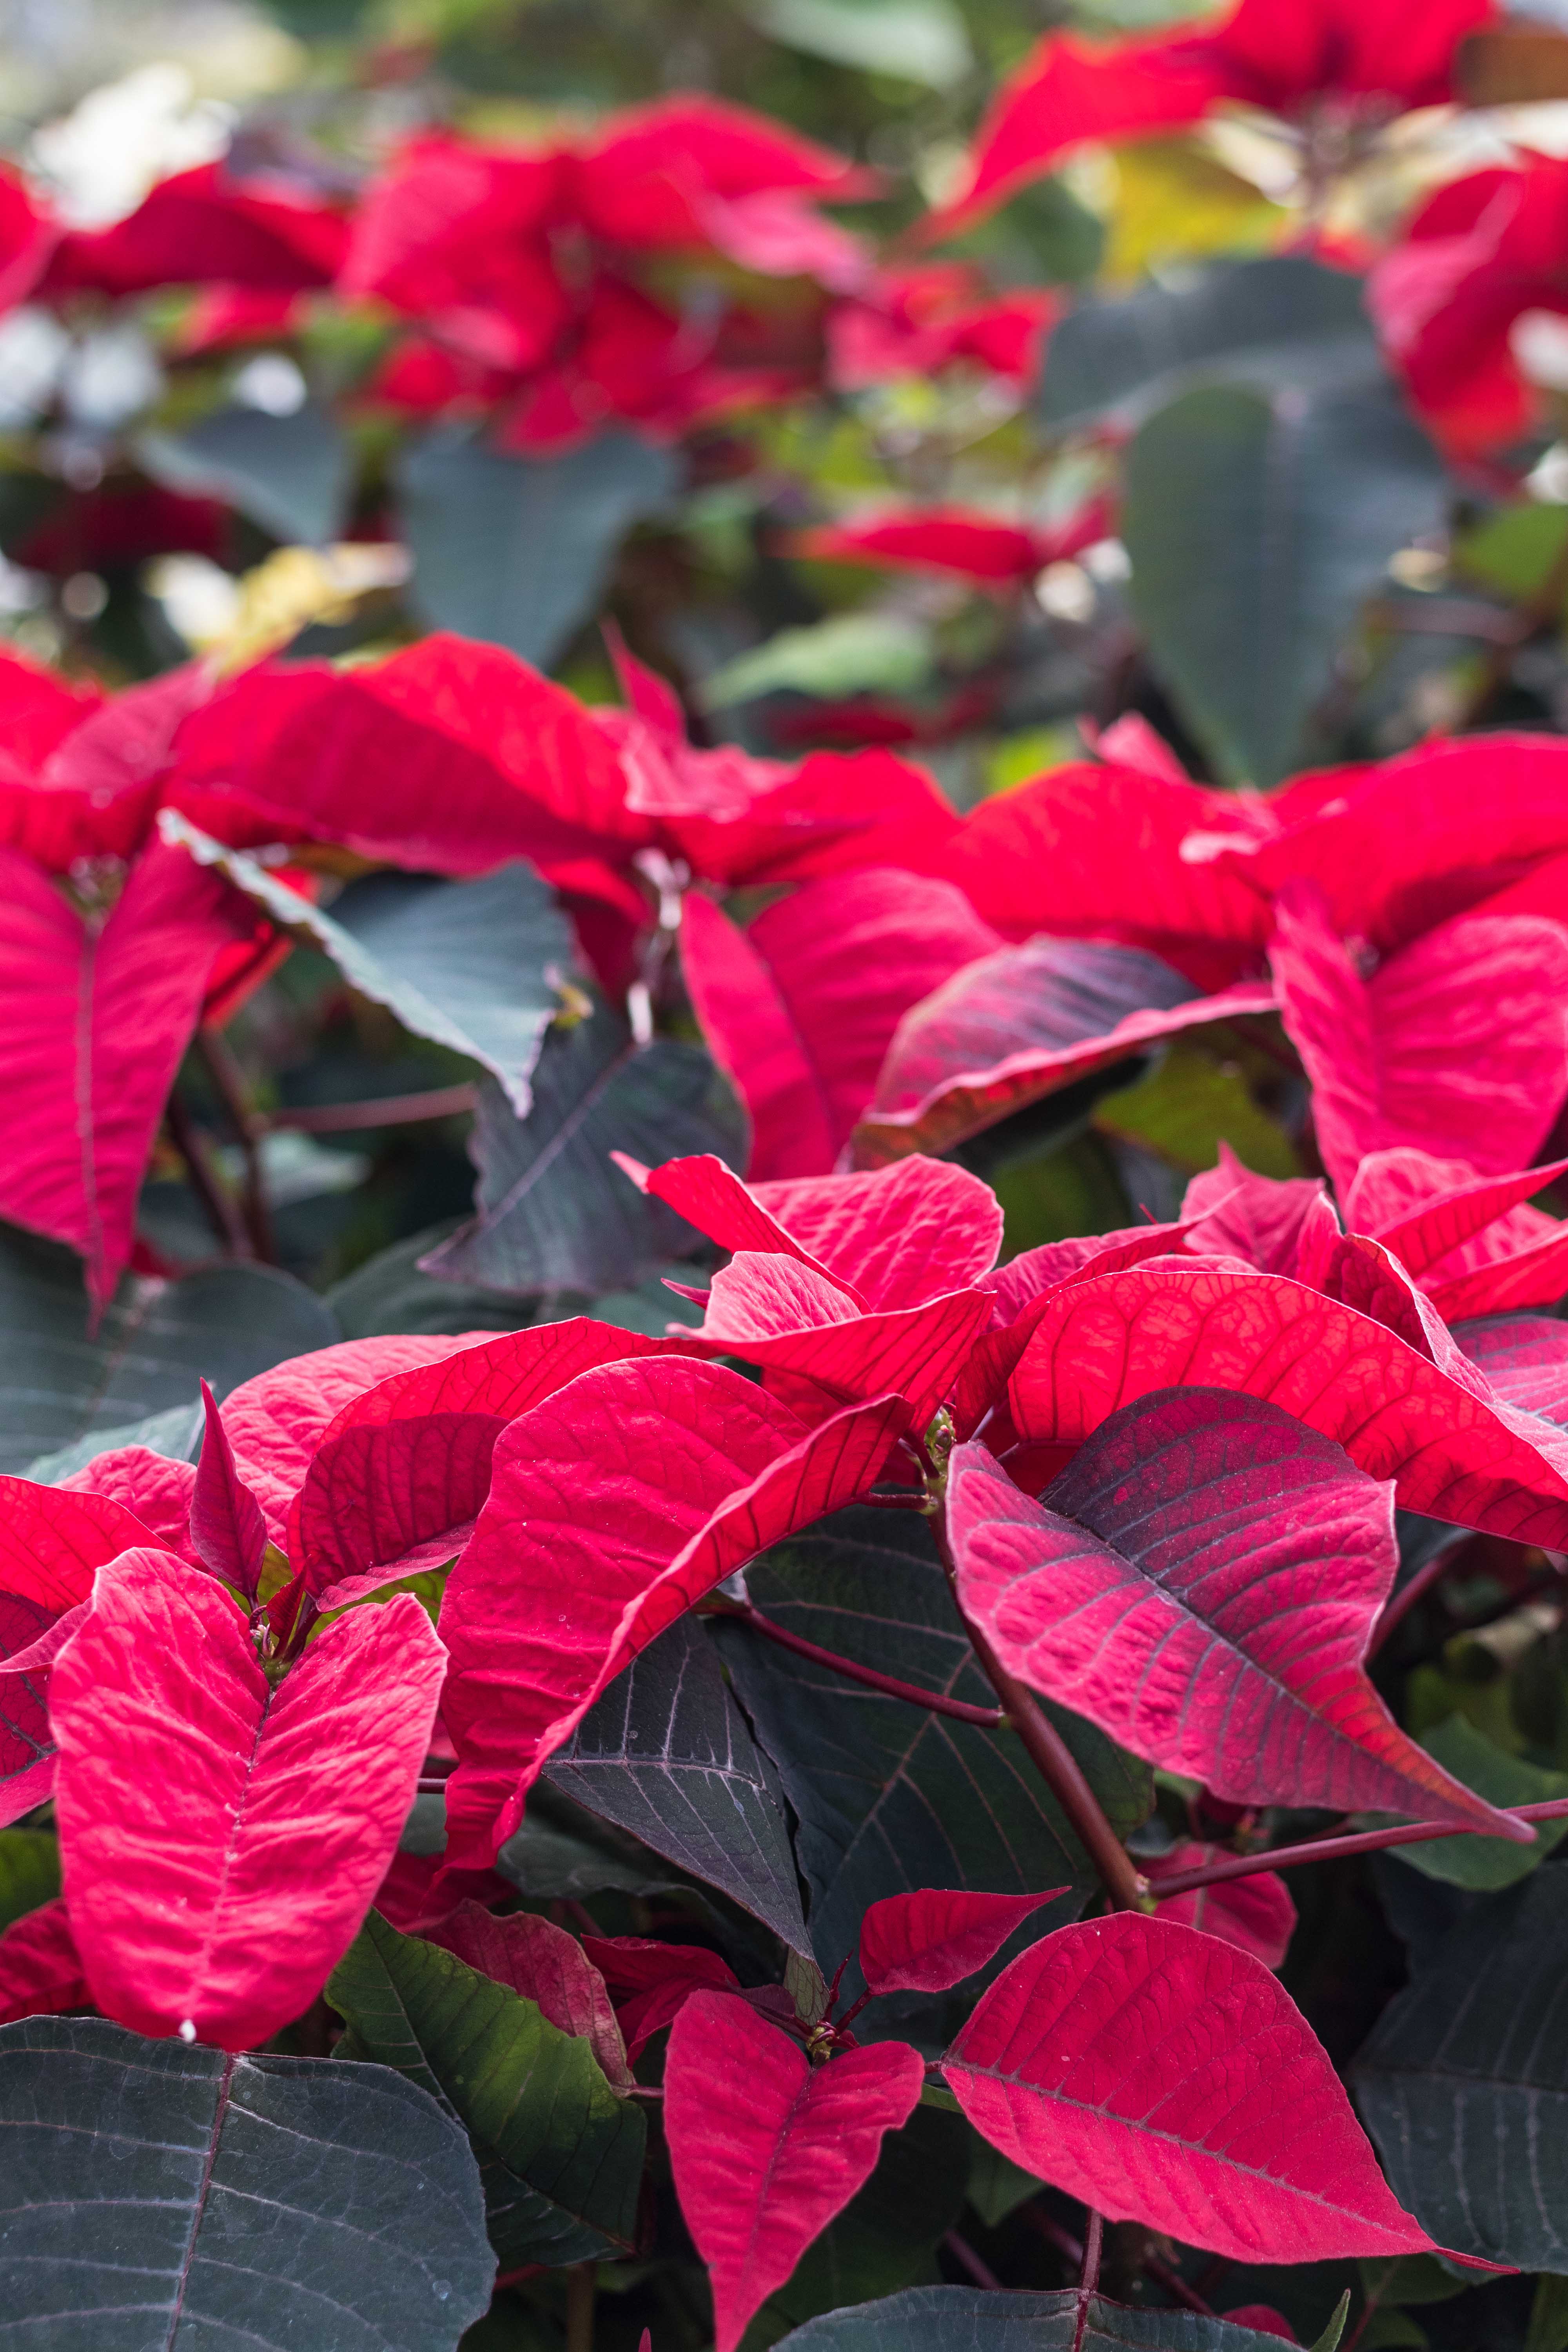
934	1938
227	1530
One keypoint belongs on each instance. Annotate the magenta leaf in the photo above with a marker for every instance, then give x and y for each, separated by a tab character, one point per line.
1452	1454
40	1973
656	1982
1259	1218
765	2148
1458	1044
221	1839
1255	1914
1019	1024
547	1966
613	1507
801	1008
1202	1582
932	1940
1524	1357
1425	1209
227	1531
1164	2077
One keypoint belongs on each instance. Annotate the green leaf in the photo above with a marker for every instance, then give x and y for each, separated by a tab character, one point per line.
176	1433
1187	1106
290	474
1548	2329
889	1797
997	2186
562	1850
517	549
667	1754
850	653
559	2154
156	2194
388	1293
58	1386
885	2237
918	40
472	965
1329	2341
554	1213
1257	523
1410	2278
1281	321
1483	1864
1464	2084
941	2318
29	1871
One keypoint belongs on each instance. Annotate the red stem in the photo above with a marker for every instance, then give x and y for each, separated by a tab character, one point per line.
387	1110
1398	1605
935	1702
1287	1857
963	2253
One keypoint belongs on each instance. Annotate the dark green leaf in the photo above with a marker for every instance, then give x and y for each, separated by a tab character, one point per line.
389	1293
158	2195
666	1753
885	2237
517	549
1256	523
1464	2084
1548	2329
562	1850
1486	1863
943	2318
559	2154
472	965
889	1797
554	1213
290	474
176	1433
157	1338
29	1871
1277	321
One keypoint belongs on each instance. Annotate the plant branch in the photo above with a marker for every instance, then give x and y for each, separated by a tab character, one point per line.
935	1702
206	1183
1287	1857
582	2280
1052	1759
387	1110
227	1079
1398	1605
1093	2245
964	2256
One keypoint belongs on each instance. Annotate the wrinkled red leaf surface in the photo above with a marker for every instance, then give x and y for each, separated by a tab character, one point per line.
544	1963
40	1973
1254	1913
765	2148
227	1531
220	1842
1259	1218
1524	1357
1451	1453
935	1938
613	1507
801	1007
1163	2076
1458	1044
95	1016
153	1489
659	1979
1202	1581
1019	1024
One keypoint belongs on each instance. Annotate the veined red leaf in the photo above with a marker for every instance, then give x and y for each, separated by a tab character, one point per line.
659	1978
276	1420
1533	1278
155	1489
52	1543
1017	1025
839	811
1524	1357
1080	1258
1258	1218
891	1237
1097	852
220	1841
613	1507
1458	1044
409	1460
546	1964
40	1972
1254	1913
1166	2077
817	1350
932	1940
1425	1209
96	1015
1202	1581
764	2147
801	1007
1360	1273
227	1531
1451	1453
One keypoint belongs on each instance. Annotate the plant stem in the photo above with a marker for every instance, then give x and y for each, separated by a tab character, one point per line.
1398	1605
964	2256
388	1110
1287	1857
222	1212
935	1702
227	1079
581	2282
1051	1756
1093	2242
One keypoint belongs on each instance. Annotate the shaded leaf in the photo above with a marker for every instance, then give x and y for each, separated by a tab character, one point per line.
291	474
1256	523
666	1754
552	1213
889	1798
156	1339
1464	2083
176	1434
936	2318
472	965
517	549
29	1871
1481	1863
177	2240
561	2156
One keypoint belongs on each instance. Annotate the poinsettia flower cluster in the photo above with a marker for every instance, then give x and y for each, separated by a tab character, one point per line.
1163	1479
